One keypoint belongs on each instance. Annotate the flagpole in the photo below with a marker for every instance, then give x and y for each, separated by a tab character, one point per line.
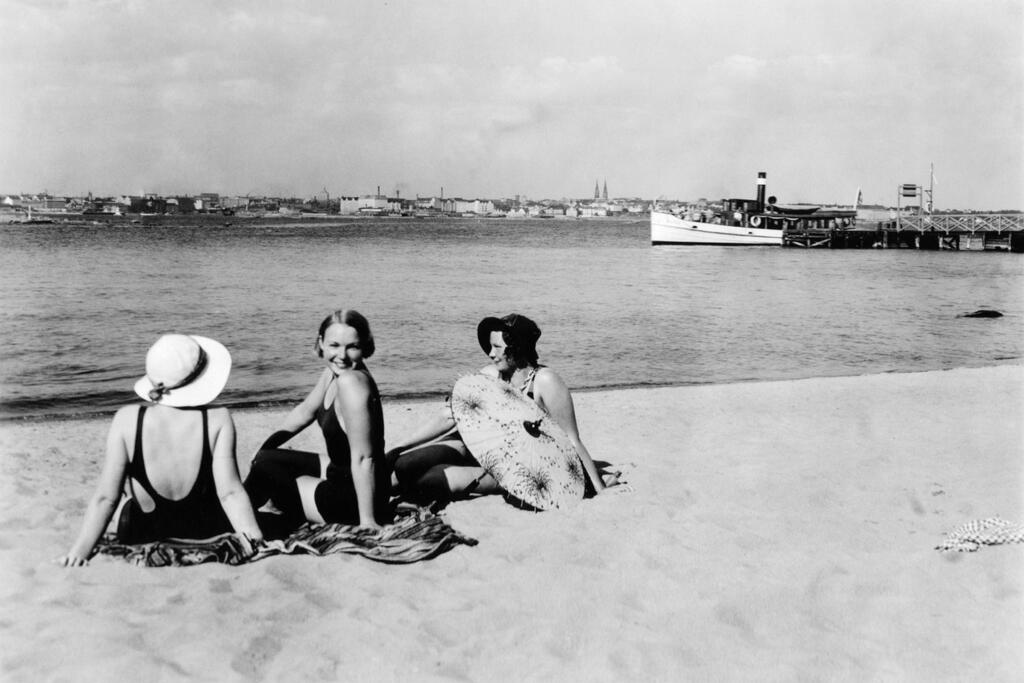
931	187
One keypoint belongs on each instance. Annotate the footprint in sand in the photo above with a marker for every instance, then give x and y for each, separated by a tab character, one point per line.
252	662
734	616
915	504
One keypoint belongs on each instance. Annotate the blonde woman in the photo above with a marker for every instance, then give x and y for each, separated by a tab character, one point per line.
350	485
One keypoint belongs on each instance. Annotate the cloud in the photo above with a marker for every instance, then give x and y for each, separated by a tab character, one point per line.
495	97
742	68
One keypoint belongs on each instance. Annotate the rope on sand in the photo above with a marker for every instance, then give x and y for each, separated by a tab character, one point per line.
976	533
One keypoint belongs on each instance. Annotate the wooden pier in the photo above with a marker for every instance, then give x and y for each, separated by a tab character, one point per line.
957	232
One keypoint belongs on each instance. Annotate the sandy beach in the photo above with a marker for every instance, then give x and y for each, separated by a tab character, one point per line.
775	531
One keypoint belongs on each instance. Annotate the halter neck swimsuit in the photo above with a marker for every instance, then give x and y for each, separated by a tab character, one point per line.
527	384
198	515
337	443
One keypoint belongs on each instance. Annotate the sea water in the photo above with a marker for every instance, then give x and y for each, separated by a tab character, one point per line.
81	303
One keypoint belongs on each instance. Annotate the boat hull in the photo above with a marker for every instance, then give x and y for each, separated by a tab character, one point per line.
669	229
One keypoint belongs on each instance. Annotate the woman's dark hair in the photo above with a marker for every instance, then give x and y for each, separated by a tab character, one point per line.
355	320
519	333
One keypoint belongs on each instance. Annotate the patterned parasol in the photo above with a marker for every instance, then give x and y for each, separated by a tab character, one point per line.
527	452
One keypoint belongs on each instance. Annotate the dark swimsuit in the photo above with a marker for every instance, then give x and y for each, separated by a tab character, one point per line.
198	515
420	470
275	471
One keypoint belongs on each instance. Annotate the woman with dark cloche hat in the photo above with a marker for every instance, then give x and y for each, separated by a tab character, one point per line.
433	463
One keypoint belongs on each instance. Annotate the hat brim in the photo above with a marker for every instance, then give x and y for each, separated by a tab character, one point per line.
484	329
203	389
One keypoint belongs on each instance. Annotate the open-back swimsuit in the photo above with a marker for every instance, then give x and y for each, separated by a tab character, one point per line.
198	515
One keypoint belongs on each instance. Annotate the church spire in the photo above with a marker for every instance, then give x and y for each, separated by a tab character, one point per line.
604	195
597	191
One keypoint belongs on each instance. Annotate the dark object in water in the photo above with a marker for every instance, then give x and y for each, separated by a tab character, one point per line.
982	313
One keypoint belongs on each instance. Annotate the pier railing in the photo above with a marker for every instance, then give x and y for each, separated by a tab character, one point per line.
961	223
962	232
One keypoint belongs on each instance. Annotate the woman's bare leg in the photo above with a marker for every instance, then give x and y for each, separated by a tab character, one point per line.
468	481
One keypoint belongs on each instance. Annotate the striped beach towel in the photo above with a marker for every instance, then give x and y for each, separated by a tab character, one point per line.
417	535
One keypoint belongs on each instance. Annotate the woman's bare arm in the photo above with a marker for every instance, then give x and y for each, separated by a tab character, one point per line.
108	490
301	416
355	396
556	399
440	423
233	498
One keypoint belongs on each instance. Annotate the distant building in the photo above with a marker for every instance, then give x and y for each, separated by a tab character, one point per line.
373	204
179	205
480	207
147	204
207	201
429	203
38	202
348	205
234	202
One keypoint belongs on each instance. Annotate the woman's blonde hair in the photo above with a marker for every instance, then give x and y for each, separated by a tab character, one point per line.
354	319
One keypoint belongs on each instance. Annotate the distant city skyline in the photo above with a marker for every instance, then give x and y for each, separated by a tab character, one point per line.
321	195
494	99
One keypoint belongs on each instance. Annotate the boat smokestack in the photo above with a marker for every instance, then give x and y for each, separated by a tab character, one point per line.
761	180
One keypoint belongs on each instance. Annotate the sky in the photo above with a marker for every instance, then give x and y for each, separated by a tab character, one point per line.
671	99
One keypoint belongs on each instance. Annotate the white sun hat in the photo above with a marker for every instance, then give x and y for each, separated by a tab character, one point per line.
184	370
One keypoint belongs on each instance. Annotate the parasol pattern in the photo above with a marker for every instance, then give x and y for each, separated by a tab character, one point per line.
527	452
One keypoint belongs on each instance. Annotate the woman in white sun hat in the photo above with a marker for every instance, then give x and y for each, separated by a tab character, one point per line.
173	457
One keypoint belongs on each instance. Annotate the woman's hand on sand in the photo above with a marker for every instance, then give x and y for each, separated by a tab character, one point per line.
249	544
70	560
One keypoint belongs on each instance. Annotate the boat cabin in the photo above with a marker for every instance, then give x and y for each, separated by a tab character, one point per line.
749	213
